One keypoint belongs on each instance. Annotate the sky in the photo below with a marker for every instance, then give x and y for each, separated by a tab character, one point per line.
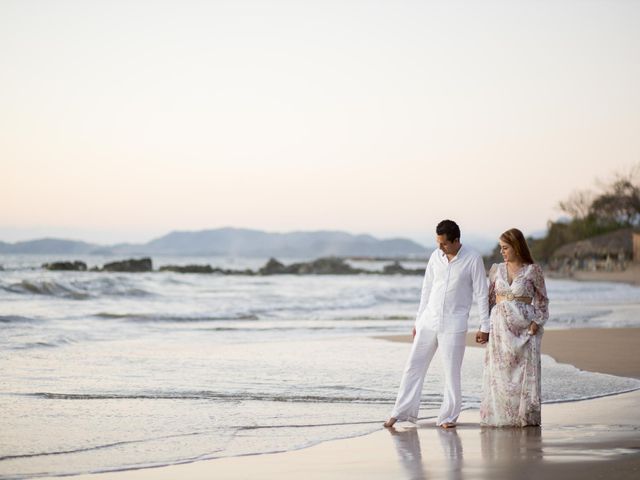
124	120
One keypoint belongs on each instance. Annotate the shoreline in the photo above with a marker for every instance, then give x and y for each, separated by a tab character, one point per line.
631	275
591	439
602	350
585	439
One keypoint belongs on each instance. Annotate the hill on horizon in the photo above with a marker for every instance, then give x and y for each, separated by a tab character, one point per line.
235	242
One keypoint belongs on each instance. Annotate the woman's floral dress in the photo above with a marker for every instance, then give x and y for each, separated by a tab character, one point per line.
511	380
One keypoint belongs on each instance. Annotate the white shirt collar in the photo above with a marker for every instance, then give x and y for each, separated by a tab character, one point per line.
460	253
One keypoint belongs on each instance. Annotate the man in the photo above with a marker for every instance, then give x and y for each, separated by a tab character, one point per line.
454	276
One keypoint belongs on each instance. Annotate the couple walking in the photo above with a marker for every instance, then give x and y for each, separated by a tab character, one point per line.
512	309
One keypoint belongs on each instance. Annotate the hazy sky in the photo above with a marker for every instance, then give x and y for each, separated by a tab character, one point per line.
123	120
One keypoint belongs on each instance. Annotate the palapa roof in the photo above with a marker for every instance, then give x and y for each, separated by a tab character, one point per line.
614	242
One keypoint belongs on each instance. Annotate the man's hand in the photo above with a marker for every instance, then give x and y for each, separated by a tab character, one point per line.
413	333
482	337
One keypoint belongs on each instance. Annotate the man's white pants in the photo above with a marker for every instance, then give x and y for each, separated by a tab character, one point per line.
424	346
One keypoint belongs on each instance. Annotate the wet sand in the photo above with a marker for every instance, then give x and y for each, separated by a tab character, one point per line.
604	350
582	440
630	275
591	439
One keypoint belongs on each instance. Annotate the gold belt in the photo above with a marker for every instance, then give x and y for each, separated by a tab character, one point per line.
511	297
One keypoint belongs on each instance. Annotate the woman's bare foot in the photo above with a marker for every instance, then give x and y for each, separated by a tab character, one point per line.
389	423
448	425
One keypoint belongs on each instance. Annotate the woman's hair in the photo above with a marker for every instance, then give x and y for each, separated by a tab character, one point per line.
515	238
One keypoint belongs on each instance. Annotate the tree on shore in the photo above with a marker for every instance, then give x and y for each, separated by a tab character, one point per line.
588	213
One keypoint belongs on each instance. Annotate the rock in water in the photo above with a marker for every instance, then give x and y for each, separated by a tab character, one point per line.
396	269
131	265
188	268
323	266
77	266
272	267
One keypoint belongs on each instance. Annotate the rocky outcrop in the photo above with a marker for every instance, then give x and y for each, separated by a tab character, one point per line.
131	265
272	267
188	268
71	266
321	266
396	269
203	269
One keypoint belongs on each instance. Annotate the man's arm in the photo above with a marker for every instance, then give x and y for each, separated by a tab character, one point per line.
481	295
427	282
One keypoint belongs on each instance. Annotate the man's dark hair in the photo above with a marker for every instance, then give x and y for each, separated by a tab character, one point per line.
448	228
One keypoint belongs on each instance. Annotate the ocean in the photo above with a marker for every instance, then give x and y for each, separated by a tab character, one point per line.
111	371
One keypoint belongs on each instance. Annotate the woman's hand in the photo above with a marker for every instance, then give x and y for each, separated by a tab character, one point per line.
533	328
413	333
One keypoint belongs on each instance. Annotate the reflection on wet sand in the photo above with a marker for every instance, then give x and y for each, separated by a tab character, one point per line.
562	451
452	450
500	445
507	452
501	449
407	443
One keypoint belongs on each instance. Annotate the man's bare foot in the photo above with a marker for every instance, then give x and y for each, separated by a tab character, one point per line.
389	423
448	425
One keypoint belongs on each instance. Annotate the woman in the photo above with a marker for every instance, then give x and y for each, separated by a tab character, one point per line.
519	308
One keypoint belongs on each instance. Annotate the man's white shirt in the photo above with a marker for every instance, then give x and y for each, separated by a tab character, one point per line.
448	290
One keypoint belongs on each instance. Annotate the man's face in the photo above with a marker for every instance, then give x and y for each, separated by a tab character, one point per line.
447	247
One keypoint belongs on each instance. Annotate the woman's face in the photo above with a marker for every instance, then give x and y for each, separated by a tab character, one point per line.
507	251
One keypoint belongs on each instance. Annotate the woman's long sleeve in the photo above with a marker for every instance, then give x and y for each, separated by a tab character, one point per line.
492	286
540	299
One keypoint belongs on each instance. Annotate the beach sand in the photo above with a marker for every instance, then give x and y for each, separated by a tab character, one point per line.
630	275
590	439
604	350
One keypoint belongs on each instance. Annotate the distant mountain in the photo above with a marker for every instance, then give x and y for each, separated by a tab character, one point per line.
236	242
48	245
257	243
